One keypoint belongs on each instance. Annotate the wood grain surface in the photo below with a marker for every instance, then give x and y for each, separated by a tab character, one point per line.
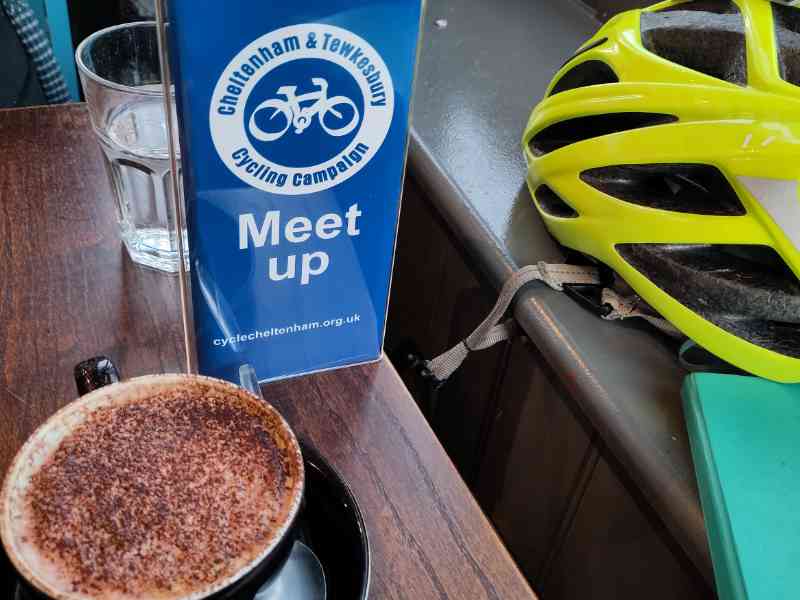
68	291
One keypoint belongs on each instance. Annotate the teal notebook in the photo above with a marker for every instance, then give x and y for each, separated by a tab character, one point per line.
745	438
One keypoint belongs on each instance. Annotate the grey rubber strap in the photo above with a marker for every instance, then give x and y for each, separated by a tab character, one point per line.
491	332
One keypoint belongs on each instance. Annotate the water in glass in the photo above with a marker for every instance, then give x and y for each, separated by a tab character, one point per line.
137	158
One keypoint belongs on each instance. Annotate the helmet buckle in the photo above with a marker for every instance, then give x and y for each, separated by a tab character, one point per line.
590	296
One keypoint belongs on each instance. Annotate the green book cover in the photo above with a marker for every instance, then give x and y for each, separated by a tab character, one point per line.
745	439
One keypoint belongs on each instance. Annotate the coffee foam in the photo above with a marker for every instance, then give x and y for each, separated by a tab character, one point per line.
35	552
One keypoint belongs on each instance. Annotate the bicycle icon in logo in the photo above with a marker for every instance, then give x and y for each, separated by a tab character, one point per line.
301	117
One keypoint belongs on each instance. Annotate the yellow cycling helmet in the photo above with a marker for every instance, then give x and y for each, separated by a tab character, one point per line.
668	148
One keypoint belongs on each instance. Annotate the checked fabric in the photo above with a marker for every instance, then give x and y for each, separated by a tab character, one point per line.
37	45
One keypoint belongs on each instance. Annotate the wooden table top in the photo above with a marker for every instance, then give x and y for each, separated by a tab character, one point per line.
68	292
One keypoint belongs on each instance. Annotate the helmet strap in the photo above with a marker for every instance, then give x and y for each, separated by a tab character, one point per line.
574	279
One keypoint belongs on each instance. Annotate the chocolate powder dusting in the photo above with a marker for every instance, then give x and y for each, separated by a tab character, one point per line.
163	496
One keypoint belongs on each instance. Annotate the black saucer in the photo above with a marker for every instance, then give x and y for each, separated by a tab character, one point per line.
332	525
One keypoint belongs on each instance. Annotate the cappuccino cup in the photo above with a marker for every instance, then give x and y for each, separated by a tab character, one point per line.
163	487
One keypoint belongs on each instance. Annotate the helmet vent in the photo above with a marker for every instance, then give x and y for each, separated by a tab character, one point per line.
685	188
705	36
578	129
590	72
585	49
552	204
748	291
787	32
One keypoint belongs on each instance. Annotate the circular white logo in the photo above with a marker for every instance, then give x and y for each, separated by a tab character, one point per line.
302	109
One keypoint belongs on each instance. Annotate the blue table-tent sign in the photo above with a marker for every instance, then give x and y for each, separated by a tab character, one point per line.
294	128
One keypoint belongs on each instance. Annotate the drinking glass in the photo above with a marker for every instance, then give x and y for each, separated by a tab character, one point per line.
121	77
